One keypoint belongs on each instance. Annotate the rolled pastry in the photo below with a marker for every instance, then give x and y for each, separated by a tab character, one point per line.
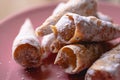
107	67
73	28
56	46
26	49
77	57
82	7
99	15
50	44
46	42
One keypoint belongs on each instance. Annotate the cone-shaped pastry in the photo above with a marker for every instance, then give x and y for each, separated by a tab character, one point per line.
50	44
72	28
82	7
46	42
107	67
77	57
56	46
26	49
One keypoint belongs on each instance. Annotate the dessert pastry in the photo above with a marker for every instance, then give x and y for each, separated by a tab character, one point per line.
107	67
77	57
46	43
73	28
82	7
50	44
26	49
56	46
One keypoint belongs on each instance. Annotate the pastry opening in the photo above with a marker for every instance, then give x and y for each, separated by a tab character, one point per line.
72	34
67	60
56	46
27	55
69	30
53	48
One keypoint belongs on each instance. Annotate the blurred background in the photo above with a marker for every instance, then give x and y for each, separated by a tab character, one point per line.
8	7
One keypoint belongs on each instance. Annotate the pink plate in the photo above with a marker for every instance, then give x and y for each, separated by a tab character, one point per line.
10	70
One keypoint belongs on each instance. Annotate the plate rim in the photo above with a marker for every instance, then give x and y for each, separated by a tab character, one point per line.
37	7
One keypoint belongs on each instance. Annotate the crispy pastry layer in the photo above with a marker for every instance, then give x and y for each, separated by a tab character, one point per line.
107	67
82	7
73	28
77	57
26	49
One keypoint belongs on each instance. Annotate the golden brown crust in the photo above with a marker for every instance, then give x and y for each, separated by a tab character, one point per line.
107	67
82	7
46	42
26	49
75	58
50	44
56	46
73	28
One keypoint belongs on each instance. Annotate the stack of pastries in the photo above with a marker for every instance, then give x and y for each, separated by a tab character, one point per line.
79	35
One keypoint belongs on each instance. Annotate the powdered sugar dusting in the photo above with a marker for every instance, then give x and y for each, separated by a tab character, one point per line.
63	23
90	72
